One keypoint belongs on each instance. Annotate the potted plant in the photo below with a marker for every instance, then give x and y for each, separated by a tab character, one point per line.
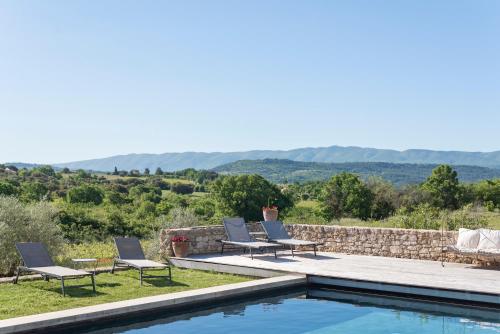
270	213
180	245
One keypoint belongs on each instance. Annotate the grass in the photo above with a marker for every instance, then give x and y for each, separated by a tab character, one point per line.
174	180
312	204
494	220
103	251
32	297
115	177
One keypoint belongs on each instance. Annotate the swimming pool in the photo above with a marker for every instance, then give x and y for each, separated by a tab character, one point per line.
319	311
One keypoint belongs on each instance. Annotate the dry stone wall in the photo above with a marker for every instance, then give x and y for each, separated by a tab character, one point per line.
389	242
203	239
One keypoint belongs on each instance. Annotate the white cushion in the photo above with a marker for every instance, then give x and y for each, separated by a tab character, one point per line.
468	238
489	239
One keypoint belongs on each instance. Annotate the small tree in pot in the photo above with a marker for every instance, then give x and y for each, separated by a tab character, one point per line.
180	245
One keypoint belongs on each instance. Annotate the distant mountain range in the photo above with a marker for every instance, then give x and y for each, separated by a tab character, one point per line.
279	171
337	154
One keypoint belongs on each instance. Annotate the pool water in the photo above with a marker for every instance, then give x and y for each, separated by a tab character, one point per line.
322	311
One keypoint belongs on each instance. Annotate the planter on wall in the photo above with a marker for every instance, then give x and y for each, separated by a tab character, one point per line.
270	215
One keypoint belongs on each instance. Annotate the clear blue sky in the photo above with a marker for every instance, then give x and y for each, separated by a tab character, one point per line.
87	79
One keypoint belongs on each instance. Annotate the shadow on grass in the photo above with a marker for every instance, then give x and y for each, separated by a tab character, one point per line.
162	283
77	291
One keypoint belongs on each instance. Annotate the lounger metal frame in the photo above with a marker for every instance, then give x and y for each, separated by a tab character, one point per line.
248	242
315	246
245	247
46	275
119	262
286	236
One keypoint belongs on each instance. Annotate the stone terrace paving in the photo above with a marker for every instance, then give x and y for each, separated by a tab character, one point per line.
418	273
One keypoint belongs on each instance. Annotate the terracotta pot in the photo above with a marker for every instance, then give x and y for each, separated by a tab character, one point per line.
181	248
270	215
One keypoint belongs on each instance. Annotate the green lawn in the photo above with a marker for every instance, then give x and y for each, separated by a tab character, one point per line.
31	297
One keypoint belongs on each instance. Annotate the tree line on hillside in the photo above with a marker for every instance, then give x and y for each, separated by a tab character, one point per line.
95	207
200	176
347	195
399	174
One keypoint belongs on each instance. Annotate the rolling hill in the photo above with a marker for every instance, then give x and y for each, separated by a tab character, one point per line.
279	171
337	154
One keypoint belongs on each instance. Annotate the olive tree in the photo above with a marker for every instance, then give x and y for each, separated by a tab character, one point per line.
26	222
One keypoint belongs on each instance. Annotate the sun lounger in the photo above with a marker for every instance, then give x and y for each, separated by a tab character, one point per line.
36	259
130	255
277	233
238	235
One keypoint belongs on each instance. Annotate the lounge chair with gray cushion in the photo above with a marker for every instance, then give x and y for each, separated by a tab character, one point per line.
36	259
238	235
277	233
130	255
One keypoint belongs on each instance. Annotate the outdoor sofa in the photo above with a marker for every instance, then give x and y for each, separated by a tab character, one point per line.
276	232
481	243
238	236
36	259
130	255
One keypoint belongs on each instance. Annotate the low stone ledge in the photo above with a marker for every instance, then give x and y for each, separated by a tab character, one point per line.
203	239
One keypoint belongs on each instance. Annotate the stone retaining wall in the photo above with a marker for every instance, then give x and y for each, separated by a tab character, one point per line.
203	239
389	242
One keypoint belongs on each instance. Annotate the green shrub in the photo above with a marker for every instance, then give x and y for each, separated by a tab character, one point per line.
26	222
182	188
7	189
178	218
205	207
116	198
86	194
444	187
245	195
345	195
97	250
78	225
488	192
385	198
424	216
304	215
34	191
466	217
43	170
